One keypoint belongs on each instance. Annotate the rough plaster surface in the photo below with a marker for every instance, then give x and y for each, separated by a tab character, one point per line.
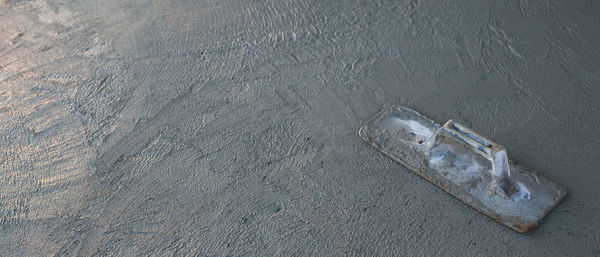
218	128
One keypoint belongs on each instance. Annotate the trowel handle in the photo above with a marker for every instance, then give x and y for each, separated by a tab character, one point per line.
481	144
495	153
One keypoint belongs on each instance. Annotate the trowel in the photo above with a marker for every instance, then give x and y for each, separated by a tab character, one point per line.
463	163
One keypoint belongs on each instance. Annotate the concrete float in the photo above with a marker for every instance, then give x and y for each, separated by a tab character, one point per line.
463	163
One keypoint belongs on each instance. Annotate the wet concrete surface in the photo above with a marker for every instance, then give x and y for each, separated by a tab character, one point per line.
228	128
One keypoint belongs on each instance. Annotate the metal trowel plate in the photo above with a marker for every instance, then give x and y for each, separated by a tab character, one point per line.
399	133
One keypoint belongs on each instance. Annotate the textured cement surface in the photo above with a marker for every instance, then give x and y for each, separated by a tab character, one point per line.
228	128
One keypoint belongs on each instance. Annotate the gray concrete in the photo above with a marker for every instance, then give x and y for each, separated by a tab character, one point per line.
217	128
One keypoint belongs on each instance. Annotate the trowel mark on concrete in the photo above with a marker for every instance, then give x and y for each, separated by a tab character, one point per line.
56	103
263	158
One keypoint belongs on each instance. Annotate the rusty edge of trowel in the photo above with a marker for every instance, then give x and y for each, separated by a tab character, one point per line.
519	227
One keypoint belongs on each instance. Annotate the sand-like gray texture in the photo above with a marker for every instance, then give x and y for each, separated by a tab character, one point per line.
228	128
